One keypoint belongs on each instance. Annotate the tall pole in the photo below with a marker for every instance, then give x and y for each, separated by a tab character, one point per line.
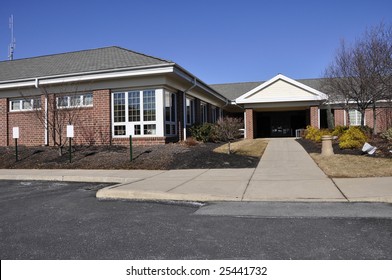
12	44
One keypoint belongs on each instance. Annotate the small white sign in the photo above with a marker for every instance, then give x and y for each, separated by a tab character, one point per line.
15	132
70	131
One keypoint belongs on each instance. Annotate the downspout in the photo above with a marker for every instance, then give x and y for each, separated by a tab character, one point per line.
184	107
45	115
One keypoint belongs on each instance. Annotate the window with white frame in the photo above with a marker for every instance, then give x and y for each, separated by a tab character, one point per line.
75	100
134	113
203	112
355	117
25	104
190	111
170	113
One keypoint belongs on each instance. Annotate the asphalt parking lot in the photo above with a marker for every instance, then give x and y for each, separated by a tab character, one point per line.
60	220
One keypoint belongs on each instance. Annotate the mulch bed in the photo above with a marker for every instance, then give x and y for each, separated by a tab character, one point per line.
159	157
383	148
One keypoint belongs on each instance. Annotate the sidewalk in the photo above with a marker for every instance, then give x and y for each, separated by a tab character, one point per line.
285	173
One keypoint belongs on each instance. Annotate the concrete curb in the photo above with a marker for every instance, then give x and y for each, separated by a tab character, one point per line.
68	178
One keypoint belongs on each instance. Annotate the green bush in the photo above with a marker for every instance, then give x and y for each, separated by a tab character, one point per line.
203	132
353	138
339	130
387	135
315	134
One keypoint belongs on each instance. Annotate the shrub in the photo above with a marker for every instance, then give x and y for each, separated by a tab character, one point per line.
339	130
315	134
353	138
203	132
387	135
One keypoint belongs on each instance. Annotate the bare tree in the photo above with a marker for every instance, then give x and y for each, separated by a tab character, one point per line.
360	75
58	111
228	129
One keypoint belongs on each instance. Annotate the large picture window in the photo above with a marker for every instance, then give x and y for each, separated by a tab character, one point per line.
134	113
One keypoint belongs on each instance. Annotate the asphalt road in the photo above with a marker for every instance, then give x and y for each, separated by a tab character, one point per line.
58	220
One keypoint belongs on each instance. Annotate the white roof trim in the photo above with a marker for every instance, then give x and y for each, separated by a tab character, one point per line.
243	98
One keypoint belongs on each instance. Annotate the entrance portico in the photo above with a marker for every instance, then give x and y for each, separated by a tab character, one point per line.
279	106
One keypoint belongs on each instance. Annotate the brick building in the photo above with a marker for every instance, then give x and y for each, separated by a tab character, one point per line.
107	94
111	93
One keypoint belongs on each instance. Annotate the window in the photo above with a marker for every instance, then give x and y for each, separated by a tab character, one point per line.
134	113
134	106
149	105
355	117
25	104
150	129
214	114
203	112
170	113
190	111
119	130
75	100
119	107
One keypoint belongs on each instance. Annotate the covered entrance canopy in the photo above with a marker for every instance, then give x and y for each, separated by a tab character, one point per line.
276	108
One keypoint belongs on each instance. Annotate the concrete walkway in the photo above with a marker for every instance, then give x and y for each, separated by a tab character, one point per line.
285	173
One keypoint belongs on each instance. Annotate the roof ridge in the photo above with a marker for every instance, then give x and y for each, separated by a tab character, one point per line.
151	56
87	50
56	54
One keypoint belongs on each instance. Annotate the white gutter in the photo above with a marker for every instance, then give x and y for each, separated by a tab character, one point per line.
184	106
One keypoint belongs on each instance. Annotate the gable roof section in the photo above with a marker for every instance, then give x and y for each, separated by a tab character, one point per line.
75	62
281	89
234	90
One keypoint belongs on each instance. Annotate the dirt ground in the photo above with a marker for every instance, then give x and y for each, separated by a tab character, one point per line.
158	157
352	163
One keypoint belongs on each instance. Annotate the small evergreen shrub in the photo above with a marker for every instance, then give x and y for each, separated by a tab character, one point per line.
339	130
203	132
353	138
315	134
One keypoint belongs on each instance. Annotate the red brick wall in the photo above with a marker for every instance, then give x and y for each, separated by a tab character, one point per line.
339	117
384	119
314	116
31	129
3	122
249	124
92	125
143	141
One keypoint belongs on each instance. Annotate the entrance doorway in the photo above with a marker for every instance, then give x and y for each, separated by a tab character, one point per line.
279	124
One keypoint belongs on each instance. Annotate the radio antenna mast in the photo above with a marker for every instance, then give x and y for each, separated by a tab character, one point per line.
11	47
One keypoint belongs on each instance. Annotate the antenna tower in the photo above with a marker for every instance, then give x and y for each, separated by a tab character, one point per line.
12	45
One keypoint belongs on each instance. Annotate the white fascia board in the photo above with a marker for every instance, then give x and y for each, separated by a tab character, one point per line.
242	99
88	76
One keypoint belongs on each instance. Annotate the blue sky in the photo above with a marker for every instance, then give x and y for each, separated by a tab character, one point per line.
218	41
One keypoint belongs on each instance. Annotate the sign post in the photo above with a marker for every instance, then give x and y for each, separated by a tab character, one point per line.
130	148
70	135
15	135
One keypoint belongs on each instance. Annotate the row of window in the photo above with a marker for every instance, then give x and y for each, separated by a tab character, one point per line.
65	101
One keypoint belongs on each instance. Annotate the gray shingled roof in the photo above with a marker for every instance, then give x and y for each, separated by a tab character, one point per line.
75	62
235	90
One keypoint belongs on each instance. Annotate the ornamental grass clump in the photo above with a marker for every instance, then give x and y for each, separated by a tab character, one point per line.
353	138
